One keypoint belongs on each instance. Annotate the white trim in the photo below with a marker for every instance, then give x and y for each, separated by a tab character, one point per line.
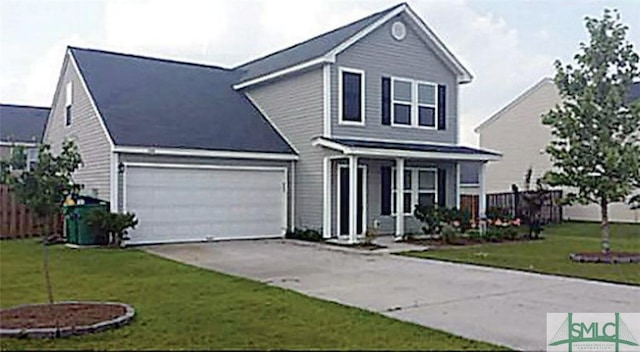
349	42
326	106
275	127
399	183
458	185
213	167
326	197
285	71
93	103
18	144
463	74
68	95
201	166
113	182
364	198
362	96
404	141
204	153
293	196
400	153
482	198
414	118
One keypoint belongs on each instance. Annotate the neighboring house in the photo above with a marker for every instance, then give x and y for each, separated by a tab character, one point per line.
21	126
308	137
518	133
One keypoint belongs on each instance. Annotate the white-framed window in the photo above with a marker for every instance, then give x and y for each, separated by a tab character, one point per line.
67	104
414	103
351	96
420	187
32	158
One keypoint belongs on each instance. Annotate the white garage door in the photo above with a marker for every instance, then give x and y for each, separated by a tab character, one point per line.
175	204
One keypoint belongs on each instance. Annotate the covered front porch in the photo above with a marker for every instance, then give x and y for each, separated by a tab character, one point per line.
361	190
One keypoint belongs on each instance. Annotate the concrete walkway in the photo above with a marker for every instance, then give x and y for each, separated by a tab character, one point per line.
499	306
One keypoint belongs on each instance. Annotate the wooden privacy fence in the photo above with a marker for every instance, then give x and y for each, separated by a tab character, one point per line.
551	211
16	221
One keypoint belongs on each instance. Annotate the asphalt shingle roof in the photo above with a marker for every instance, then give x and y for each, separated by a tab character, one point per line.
307	50
19	123
161	103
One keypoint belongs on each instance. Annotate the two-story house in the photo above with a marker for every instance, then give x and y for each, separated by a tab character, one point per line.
312	136
22	125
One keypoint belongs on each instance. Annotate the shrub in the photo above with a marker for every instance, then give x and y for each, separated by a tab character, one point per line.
114	226
304	235
449	234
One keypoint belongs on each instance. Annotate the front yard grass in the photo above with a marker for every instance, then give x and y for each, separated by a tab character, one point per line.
183	307
551	255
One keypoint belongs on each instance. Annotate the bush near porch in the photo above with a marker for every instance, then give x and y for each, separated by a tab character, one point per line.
551	256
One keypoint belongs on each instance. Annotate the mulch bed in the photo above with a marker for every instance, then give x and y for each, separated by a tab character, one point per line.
464	241
610	258
366	246
68	315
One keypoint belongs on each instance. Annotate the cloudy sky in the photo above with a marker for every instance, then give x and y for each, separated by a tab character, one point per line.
508	45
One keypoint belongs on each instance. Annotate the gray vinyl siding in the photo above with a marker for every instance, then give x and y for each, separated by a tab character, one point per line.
295	106
197	161
85	129
5	152
374	193
379	54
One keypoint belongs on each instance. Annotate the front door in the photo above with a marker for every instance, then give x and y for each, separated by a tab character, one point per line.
343	200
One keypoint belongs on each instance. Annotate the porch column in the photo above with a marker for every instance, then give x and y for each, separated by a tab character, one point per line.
326	198
482	194
353	198
399	198
458	195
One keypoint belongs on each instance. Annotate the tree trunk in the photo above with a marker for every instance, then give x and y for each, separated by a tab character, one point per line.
604	225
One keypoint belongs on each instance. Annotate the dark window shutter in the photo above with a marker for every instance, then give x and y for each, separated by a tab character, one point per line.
442	107
385	197
386	101
442	187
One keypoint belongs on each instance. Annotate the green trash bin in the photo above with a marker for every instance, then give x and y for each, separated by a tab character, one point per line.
78	231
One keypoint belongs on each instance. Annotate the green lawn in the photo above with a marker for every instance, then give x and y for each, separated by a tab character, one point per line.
551	255
183	307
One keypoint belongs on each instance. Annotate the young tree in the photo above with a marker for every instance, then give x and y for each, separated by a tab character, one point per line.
43	188
596	146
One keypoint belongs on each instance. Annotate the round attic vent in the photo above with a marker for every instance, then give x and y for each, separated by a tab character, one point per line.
398	30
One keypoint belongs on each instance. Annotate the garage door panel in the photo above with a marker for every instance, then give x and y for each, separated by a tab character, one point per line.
175	204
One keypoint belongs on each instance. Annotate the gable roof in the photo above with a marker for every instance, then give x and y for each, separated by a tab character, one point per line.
633	94
21	123
513	103
309	49
148	102
324	47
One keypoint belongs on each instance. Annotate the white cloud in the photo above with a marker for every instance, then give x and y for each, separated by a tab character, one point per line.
228	33
37	83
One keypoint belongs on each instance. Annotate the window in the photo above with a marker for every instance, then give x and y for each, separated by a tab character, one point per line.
351	96
420	187
427	104
68	103
414	103
402	99
32	158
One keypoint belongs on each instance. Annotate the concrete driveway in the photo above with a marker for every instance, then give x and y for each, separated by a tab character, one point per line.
500	306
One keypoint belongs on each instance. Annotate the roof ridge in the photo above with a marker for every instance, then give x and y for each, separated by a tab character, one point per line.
318	36
143	57
26	106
